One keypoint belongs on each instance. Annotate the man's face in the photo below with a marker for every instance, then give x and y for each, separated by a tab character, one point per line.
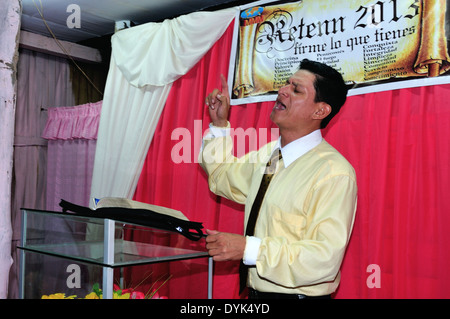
295	104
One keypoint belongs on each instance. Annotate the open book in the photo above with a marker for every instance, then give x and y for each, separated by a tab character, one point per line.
129	211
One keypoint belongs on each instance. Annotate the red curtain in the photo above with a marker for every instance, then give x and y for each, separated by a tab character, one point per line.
396	140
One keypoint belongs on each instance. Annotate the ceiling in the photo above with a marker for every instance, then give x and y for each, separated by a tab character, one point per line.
97	17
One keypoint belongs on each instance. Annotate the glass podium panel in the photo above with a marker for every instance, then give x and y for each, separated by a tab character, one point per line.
62	246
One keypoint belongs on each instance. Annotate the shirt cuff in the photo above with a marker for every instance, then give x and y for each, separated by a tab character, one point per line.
251	250
219	131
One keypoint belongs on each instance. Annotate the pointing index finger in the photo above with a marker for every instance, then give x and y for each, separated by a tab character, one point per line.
224	85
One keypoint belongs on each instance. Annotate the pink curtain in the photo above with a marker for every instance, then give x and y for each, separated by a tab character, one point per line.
71	133
396	140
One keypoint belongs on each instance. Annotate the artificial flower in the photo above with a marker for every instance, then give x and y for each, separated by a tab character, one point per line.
58	296
157	296
137	295
118	293
92	295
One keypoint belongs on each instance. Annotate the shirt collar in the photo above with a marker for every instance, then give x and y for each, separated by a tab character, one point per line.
299	147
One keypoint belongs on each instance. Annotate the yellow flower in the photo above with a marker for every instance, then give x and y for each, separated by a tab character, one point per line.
58	296
124	296
54	296
91	295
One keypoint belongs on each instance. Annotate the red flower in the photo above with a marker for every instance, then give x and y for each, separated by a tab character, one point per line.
157	296
137	295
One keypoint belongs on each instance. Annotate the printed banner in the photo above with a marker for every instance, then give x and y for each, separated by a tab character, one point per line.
376	45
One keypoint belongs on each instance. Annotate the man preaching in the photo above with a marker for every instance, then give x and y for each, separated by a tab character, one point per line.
300	200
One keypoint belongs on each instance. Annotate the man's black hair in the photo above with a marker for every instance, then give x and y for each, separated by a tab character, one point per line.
329	85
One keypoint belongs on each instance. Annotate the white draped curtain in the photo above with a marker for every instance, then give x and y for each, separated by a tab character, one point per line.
145	61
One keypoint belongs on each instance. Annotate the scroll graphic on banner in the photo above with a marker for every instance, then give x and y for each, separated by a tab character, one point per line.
376	45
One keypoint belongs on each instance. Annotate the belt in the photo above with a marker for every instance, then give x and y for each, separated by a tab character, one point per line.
254	294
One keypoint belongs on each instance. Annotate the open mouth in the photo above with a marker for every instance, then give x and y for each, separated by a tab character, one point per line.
279	106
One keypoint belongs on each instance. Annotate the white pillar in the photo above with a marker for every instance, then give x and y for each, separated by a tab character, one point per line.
10	13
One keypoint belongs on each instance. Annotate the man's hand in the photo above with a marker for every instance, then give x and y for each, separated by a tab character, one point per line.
225	246
219	104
